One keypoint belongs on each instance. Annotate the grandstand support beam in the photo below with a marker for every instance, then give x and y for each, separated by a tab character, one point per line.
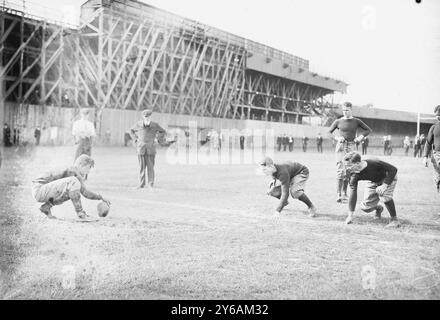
134	59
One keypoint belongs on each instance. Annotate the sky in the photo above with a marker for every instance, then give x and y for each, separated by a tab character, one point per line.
387	50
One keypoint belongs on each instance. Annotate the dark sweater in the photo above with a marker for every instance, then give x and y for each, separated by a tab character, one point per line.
285	173
433	139
348	127
377	171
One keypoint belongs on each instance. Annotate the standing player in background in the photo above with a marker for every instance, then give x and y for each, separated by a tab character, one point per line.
382	180
83	132
144	134
348	126
433	145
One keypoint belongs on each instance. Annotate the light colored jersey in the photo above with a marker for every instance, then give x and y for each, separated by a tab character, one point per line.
83	129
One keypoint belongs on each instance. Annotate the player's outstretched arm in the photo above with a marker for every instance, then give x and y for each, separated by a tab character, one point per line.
133	133
90	194
352	198
160	135
352	193
285	182
428	144
333	127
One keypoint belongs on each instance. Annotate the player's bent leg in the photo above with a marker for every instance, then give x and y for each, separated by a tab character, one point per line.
54	193
339	180
387	198
142	165
394	222
73	190
150	169
371	198
435	159
344	189
75	197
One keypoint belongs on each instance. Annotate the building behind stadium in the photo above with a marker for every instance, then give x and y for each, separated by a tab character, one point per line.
125	56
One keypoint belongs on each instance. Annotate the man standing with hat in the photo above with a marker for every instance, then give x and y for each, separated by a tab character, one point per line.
83	132
144	133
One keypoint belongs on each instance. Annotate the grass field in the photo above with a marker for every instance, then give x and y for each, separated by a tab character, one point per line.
206	232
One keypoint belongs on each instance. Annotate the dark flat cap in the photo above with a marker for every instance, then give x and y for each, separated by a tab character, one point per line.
147	113
266	161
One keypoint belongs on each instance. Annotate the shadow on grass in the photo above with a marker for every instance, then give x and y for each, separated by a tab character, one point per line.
367	219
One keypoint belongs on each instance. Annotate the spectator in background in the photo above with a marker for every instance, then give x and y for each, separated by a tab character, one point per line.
305	141
365	141
6	135
108	135
127	137
242	142
279	142
319	142
357	143
291	142
406	145
16	136
422	144
37	135
416	146
386	143
390	146
285	142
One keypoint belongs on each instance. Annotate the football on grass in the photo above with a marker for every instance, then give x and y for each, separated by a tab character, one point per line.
103	209
274	190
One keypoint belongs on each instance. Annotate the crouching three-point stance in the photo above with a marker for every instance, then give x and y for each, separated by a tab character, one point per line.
58	186
292	177
381	181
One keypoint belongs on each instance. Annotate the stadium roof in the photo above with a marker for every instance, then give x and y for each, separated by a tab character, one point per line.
390	115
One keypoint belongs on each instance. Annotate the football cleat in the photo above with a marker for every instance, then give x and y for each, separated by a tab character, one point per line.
46	209
394	223
83	215
379	210
312	212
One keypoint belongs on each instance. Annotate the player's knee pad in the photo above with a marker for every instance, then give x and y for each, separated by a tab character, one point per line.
297	194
